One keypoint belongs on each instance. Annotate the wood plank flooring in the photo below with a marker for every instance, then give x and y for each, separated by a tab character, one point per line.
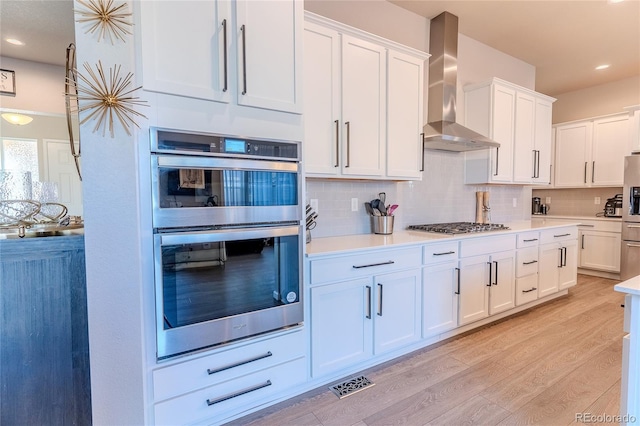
541	367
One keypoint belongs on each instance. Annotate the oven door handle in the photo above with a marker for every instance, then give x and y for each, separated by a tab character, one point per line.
209	162
192	237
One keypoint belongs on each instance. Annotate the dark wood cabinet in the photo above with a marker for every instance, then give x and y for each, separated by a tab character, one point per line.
44	350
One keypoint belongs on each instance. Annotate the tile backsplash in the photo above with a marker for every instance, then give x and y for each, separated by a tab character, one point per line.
441	196
576	202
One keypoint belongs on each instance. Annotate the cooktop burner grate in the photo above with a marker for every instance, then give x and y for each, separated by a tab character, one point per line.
458	227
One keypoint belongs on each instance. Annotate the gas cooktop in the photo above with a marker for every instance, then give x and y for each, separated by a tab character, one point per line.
458	227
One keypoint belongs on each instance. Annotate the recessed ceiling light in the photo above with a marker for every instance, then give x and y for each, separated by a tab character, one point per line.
602	67
15	41
616	1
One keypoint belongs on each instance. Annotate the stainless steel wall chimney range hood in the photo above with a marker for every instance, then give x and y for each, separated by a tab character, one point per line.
442	132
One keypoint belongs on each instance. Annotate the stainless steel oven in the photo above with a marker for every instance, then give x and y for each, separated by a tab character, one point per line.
228	238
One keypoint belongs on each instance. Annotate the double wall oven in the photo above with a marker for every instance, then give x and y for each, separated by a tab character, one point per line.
228	239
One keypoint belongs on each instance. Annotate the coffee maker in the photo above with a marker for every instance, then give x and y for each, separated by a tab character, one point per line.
536	205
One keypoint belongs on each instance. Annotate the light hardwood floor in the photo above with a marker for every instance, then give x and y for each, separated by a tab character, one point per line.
541	367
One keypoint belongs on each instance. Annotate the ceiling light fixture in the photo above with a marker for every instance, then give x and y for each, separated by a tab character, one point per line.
615	1
14	41
17	119
602	67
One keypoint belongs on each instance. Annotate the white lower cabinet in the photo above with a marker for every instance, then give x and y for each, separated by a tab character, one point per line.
355	319
440	298
213	387
600	244
558	259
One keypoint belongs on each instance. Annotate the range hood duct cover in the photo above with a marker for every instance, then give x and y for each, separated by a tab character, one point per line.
442	132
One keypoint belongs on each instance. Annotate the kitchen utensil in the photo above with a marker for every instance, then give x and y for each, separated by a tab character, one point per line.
369	209
391	209
382	208
376	212
383	197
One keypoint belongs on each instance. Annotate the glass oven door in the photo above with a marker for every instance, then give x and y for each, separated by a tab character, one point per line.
217	286
193	191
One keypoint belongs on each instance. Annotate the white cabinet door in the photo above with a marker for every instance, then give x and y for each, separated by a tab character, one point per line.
363	107
397	310
322	96
600	250
543	142
440	299
187	49
610	145
524	155
474	289
341	325
568	273
548	275
572	154
269	46
183	48
503	122
405	156
502	291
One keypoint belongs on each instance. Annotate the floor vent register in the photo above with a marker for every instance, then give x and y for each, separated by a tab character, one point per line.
351	386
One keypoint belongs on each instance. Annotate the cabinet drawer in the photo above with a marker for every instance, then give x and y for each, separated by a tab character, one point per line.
436	253
371	263
224	398
486	245
208	370
526	289
528	239
527	261
558	234
601	225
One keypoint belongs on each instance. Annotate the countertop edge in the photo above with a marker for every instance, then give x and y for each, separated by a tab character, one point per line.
350	244
630	286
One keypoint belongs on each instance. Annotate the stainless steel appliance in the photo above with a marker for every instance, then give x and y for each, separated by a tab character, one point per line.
613	206
630	250
442	132
536	205
458	227
228	238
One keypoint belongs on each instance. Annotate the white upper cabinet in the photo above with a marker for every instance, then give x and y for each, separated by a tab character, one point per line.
591	153
362	105
363	125
634	127
197	49
517	118
405	156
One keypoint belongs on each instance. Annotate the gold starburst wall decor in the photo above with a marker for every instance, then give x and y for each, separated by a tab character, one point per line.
107	99
107	19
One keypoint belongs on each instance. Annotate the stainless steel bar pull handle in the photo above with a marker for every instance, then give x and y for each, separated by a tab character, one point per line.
530	241
225	55
348	124
593	171
368	316
244	59
585	172
535	163
444	253
633	245
496	273
497	157
490	273
422	152
530	290
239	363
388	262
380	288
582	242
530	263
211	402
561	235
337	123
458	271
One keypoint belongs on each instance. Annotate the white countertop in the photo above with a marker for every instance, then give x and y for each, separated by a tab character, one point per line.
562	217
356	243
630	286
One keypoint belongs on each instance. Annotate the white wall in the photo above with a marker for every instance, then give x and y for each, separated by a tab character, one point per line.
39	87
441	196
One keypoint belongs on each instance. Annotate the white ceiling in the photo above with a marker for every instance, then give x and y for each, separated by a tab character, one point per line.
563	39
